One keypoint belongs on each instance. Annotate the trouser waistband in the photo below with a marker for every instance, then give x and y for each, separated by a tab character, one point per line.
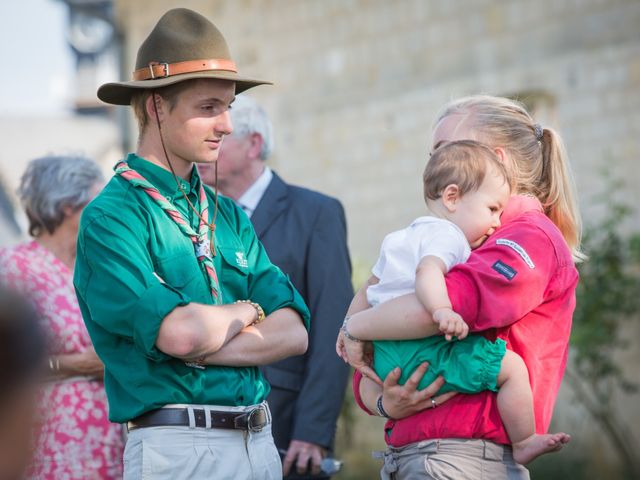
253	419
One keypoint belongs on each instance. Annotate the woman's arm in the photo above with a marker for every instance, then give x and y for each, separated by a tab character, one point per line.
358	304
68	365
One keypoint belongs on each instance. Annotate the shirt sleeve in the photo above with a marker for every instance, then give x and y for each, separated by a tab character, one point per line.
378	267
444	241
116	284
504	279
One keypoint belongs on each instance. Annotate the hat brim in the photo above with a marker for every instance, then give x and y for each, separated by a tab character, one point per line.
120	93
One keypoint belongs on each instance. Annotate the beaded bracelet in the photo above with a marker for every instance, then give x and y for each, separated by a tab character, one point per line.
346	332
259	310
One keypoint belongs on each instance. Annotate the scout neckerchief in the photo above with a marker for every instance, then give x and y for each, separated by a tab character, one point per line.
200	238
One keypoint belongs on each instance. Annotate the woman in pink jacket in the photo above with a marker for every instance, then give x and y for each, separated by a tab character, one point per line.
518	286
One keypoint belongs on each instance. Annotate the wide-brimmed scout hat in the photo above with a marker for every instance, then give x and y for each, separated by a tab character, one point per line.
182	46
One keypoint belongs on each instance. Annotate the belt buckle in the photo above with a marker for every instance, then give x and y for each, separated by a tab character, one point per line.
257	419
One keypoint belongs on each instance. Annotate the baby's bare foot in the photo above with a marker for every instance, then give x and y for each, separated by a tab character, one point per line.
536	445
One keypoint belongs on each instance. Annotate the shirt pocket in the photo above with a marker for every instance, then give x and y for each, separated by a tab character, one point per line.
179	271
234	273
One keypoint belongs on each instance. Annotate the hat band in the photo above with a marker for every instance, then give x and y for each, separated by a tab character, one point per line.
162	70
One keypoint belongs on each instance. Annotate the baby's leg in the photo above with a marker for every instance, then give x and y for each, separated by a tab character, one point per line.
515	403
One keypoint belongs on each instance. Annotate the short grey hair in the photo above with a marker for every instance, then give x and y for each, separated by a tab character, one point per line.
248	118
52	183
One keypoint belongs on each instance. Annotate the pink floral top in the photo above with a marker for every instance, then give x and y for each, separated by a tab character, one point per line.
75	439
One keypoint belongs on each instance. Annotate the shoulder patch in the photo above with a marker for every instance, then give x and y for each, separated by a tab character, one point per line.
505	270
518	249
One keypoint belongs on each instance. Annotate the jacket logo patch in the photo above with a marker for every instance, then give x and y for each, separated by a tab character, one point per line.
518	249
241	261
505	270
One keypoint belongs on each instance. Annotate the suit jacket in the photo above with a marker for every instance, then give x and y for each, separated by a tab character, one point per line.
304	233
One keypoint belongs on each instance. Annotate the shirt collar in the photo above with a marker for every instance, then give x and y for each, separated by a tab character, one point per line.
163	179
250	199
519	204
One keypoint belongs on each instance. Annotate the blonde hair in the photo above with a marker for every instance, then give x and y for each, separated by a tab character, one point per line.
540	164
463	163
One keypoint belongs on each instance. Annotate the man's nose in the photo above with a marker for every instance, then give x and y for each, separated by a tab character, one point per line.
224	124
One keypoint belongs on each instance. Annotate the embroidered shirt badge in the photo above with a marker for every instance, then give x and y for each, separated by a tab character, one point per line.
518	249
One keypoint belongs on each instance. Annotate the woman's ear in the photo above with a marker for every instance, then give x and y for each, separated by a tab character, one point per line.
67	211
450	197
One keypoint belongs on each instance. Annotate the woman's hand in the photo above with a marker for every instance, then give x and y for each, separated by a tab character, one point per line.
401	401
358	354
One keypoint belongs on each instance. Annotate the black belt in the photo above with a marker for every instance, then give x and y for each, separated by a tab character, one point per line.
253	420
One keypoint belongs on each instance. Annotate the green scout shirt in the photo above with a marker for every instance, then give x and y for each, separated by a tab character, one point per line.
126	241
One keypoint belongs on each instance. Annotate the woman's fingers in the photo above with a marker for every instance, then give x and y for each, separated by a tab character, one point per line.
435	402
415	378
431	389
368	372
391	380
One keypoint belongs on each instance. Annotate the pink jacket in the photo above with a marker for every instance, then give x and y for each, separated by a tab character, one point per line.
519	286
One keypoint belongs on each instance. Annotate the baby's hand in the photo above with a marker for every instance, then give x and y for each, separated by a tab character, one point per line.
451	324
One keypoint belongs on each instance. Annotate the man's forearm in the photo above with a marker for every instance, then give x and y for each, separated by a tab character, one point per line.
399	319
194	330
280	335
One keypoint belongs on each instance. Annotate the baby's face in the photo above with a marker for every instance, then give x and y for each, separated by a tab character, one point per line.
478	213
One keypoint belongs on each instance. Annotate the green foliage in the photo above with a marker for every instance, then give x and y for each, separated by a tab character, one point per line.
608	295
608	300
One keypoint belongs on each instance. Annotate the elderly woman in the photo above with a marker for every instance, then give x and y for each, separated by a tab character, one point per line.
76	439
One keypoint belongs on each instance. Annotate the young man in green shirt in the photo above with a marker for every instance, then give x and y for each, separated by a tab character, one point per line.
178	295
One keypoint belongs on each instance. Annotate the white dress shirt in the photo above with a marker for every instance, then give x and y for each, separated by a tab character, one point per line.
251	198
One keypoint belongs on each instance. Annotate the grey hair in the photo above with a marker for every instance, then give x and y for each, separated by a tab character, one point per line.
51	184
248	118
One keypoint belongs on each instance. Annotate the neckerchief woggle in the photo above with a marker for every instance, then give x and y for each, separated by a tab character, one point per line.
200	238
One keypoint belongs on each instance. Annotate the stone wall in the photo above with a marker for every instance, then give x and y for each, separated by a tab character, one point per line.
358	83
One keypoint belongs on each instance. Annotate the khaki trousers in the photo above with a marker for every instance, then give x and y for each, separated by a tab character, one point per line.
177	453
455	459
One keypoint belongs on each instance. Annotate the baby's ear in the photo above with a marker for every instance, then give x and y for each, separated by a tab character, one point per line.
450	196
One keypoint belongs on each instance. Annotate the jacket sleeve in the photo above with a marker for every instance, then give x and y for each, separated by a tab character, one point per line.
504	279
268	286
328	277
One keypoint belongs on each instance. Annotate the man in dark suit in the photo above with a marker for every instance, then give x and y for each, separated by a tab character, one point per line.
304	233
